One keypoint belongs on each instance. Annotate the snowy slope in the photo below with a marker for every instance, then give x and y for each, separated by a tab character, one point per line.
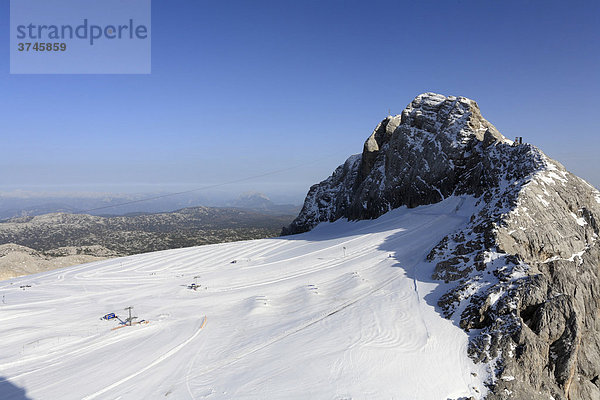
344	311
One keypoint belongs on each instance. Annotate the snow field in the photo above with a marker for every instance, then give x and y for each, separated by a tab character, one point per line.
292	318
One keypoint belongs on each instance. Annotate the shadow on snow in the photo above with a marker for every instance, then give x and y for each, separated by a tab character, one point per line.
426	226
10	391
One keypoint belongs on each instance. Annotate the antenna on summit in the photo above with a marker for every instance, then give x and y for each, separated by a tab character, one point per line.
389	112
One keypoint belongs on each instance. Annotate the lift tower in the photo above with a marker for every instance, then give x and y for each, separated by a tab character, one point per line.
130	319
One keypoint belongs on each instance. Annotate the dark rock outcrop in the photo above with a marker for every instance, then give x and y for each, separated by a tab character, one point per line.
435	148
526	268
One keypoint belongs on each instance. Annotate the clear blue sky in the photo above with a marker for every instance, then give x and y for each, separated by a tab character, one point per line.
244	87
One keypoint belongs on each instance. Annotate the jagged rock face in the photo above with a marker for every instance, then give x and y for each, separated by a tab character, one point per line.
526	269
527	273
435	148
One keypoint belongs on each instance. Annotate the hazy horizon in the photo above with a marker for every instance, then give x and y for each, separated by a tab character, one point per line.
241	89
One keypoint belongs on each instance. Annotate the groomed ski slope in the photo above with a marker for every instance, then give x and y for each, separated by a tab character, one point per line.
298	317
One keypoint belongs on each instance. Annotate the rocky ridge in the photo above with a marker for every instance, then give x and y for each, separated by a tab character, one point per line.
125	235
525	271
61	239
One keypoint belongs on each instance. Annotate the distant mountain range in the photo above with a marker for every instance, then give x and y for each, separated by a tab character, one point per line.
61	235
20	204
260	202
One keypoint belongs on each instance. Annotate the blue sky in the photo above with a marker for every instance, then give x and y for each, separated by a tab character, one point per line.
240	88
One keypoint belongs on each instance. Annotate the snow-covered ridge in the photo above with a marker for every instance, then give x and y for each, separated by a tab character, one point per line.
526	273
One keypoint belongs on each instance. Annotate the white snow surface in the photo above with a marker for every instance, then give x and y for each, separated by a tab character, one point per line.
296	317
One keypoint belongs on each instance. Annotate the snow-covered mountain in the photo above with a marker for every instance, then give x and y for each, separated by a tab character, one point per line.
524	273
444	262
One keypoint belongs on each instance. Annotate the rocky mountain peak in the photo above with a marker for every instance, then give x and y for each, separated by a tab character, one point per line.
455	119
436	147
523	275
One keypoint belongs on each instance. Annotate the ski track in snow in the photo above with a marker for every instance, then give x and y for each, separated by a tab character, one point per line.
292	318
147	367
